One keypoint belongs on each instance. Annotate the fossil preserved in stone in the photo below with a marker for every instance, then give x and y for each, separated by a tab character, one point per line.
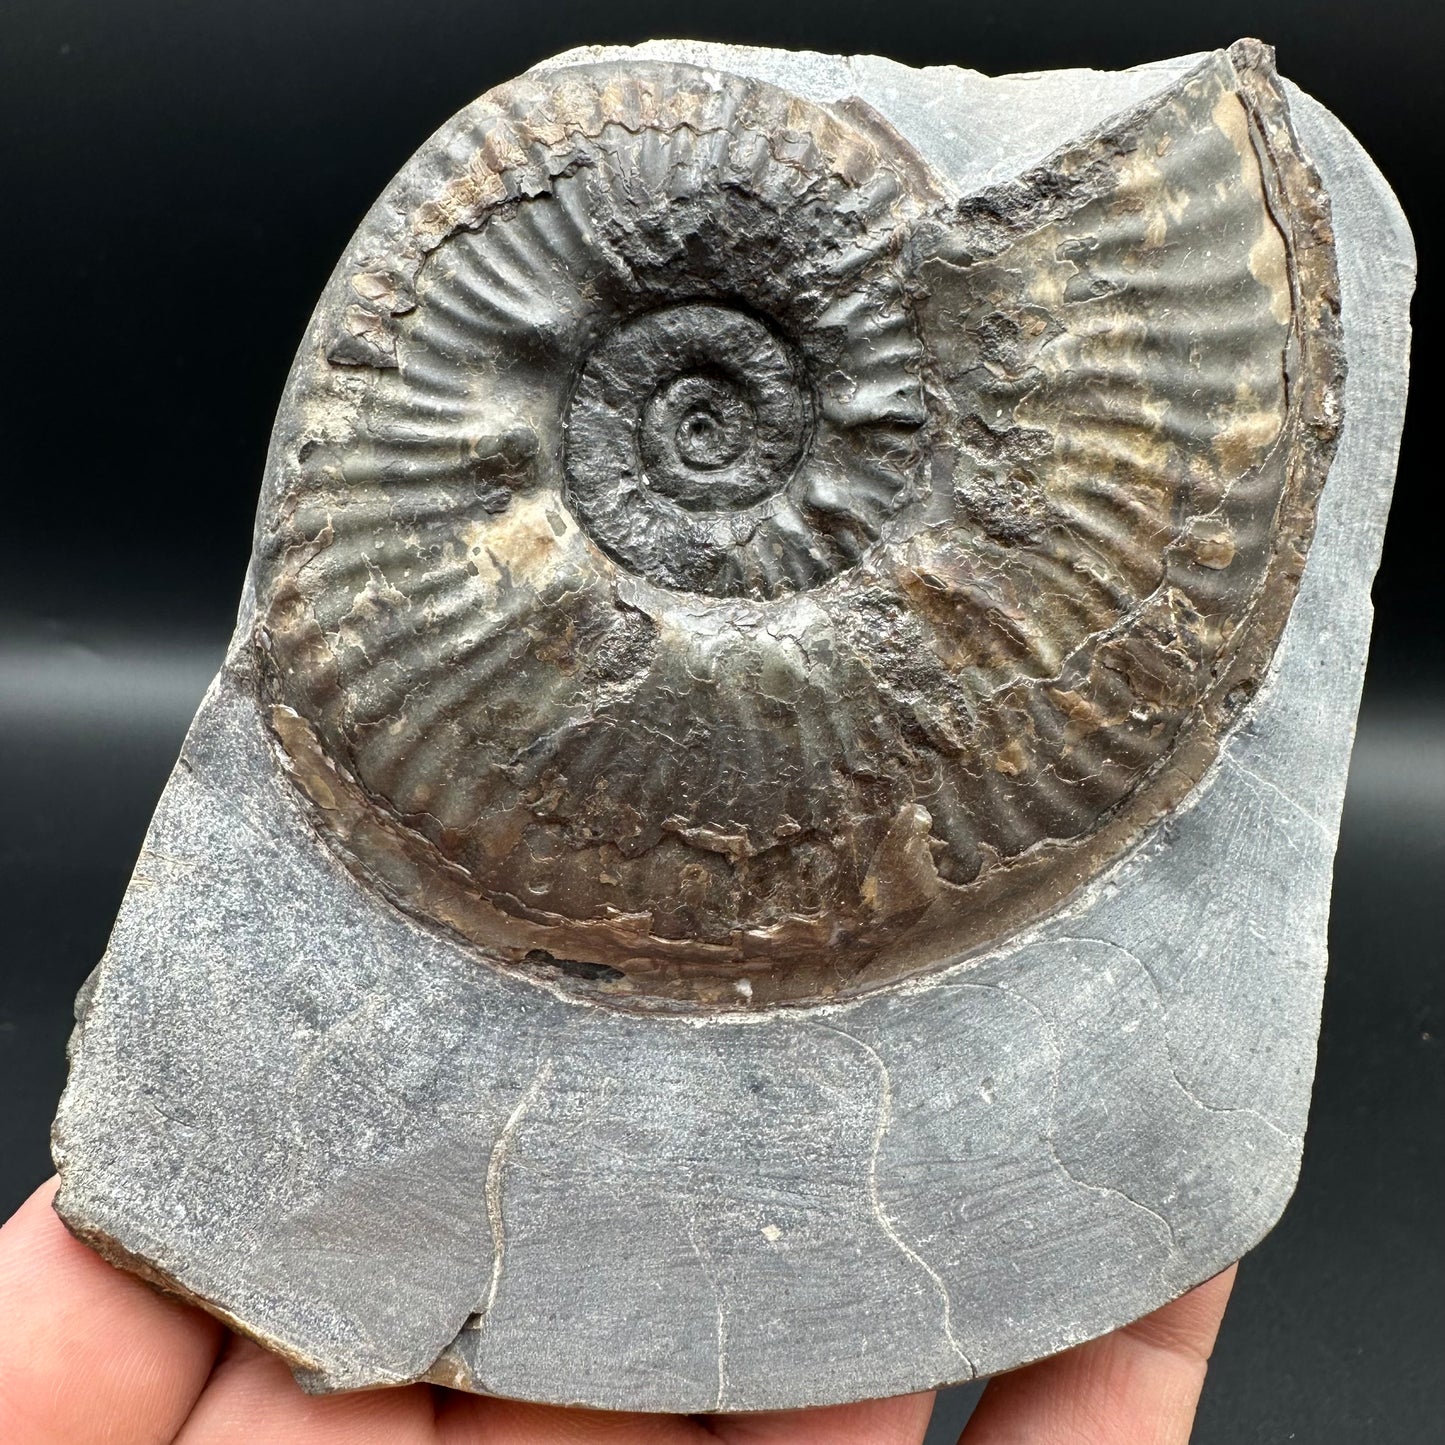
774	791
709	563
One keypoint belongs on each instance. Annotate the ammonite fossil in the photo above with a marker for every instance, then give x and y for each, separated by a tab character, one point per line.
716	567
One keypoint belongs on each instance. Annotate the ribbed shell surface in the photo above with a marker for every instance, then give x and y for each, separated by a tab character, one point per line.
710	566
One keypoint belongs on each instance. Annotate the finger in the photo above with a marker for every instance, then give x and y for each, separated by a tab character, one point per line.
902	1420
1137	1386
252	1397
484	1420
87	1352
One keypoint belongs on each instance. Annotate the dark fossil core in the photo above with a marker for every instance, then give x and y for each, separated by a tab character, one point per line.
686	428
710	567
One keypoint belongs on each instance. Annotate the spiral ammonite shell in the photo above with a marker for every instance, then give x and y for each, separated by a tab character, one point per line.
713	566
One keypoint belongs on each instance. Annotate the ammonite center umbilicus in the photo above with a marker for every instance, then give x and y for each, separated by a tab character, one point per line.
716	567
686	430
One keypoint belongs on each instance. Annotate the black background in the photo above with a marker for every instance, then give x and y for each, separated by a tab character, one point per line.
178	180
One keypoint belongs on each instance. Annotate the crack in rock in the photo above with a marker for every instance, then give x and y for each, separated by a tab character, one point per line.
884	1120
1054	1092
1208	1108
1233	763
496	1167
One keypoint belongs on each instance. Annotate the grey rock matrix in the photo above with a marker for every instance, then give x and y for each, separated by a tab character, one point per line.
764	838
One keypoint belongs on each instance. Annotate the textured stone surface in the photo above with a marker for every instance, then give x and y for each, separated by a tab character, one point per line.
332	1122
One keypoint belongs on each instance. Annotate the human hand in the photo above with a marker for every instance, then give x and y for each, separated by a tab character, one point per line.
91	1356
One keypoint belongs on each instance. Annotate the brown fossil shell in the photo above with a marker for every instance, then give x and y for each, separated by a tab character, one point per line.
706	565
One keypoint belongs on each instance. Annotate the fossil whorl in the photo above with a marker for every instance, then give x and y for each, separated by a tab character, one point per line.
707	563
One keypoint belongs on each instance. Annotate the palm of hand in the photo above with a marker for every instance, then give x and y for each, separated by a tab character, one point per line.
91	1356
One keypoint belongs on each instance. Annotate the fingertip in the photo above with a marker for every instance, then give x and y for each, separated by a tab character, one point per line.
897	1420
1188	1326
465	1419
252	1396
1140	1383
86	1350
